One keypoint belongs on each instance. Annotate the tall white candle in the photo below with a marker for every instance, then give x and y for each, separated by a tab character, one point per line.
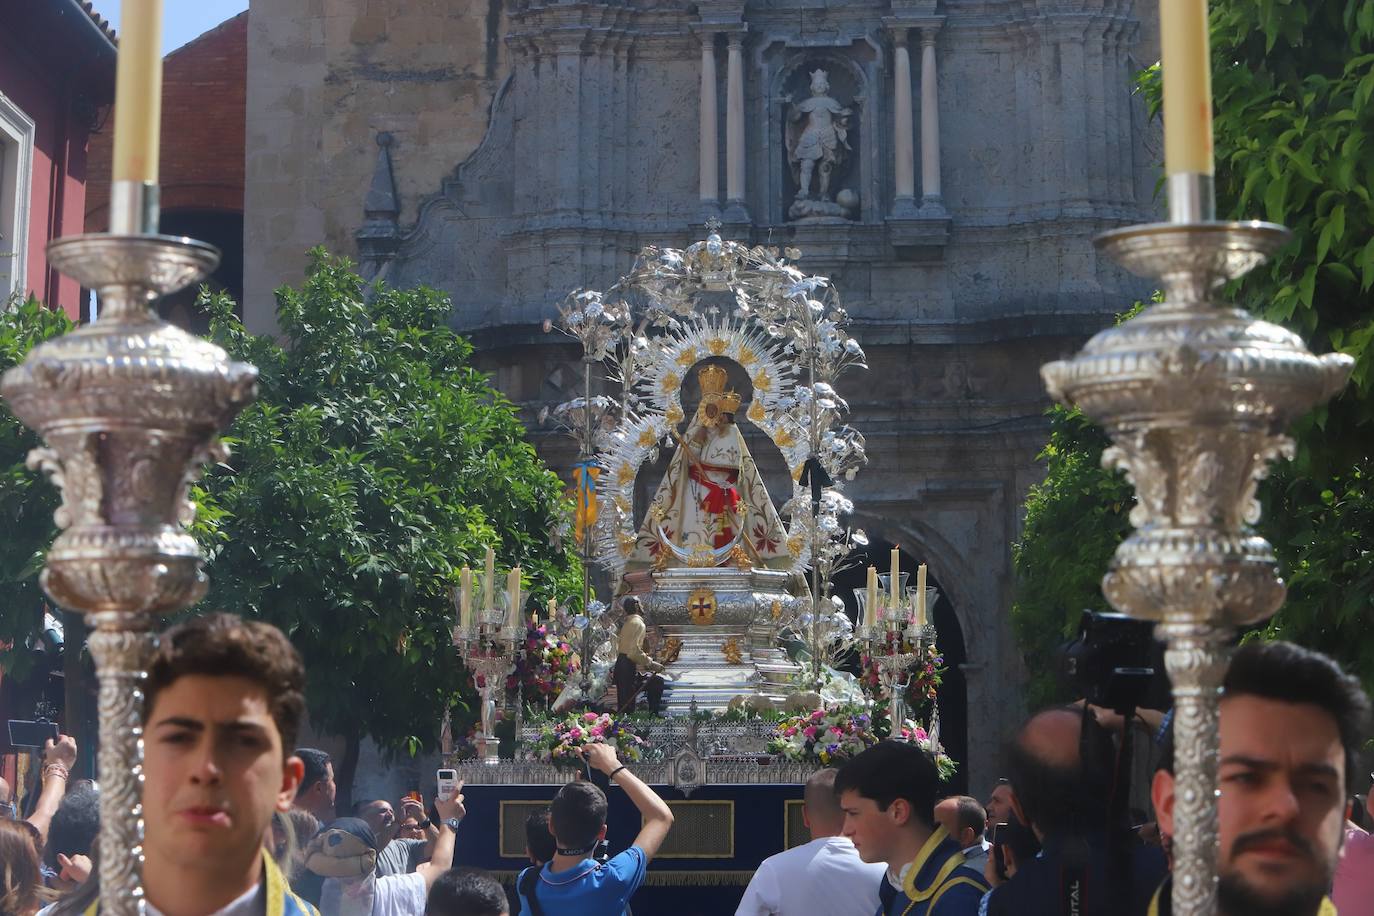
465	598
513	595
489	579
894	584
921	595
871	604
138	92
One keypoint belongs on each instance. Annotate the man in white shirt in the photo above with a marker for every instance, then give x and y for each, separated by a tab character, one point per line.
964	817
825	875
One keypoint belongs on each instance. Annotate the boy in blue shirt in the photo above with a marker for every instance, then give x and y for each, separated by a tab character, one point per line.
572	883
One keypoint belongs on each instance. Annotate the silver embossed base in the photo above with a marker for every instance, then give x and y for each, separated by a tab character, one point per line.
708	608
130	409
1196	396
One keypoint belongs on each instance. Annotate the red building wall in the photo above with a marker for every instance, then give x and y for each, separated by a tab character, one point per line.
204	113
53	66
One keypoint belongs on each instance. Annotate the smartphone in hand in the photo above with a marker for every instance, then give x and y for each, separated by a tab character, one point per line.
447	780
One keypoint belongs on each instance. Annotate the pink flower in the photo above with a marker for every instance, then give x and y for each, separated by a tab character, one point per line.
837	730
589	717
575	733
596	731
809	731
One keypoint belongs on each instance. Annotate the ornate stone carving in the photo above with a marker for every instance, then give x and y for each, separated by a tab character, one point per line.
817	146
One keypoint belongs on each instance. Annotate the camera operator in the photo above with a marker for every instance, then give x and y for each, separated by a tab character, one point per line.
573	883
1061	766
58	759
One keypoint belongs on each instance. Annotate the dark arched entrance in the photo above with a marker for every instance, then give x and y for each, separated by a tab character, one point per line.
953	698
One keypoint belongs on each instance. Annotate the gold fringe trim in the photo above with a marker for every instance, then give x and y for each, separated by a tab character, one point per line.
668	878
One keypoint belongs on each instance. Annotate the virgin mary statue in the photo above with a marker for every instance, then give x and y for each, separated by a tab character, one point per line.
711	509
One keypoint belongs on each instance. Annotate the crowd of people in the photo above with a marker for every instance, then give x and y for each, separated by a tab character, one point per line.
238	823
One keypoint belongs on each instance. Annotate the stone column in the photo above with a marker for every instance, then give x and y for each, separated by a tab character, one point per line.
710	149
734	132
903	145
931	202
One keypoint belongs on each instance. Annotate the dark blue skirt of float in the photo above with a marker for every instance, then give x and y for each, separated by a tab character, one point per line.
690	886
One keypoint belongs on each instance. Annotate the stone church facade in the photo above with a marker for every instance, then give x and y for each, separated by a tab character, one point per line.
508	151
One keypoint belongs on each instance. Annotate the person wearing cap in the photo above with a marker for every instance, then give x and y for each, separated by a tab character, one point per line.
345	855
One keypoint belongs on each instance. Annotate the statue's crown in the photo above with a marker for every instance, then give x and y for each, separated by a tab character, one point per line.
712	379
729	402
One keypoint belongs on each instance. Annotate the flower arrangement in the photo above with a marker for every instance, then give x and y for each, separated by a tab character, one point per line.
914	733
543	668
824	736
560	740
926	675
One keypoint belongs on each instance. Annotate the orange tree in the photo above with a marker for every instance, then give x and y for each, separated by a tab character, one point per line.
1293	84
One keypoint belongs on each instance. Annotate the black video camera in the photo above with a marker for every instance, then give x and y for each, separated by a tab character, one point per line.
1113	662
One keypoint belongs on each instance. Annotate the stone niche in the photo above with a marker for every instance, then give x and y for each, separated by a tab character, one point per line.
821	105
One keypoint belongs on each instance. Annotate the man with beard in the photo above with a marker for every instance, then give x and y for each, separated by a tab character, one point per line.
1291	726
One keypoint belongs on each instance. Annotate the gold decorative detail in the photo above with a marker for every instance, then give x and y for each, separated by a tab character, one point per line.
747	357
673	415
625	476
670	382
740	558
797	471
776	609
784	438
729	402
622	503
687	358
713	379
701	607
669	652
648	437
702	558
717	346
731	651
756	411
794	545
763	381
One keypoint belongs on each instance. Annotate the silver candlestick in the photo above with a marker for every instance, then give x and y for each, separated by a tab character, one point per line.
488	646
895	643
1195	396
130	408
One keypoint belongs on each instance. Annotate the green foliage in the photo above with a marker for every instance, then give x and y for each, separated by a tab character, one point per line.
26	500
1074	520
374	464
1293	83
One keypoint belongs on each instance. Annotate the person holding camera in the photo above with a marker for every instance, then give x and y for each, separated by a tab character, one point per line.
573	883
59	756
1061	766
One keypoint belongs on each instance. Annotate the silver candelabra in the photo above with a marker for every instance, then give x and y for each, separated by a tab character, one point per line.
1195	396
896	642
488	645
130	408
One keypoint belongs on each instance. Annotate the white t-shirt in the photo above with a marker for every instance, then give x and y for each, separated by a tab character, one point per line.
823	876
392	895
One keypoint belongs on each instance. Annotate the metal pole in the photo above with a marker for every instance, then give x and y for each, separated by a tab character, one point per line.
585	456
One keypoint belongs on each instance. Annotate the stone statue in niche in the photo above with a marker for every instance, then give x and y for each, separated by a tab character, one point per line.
818	145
